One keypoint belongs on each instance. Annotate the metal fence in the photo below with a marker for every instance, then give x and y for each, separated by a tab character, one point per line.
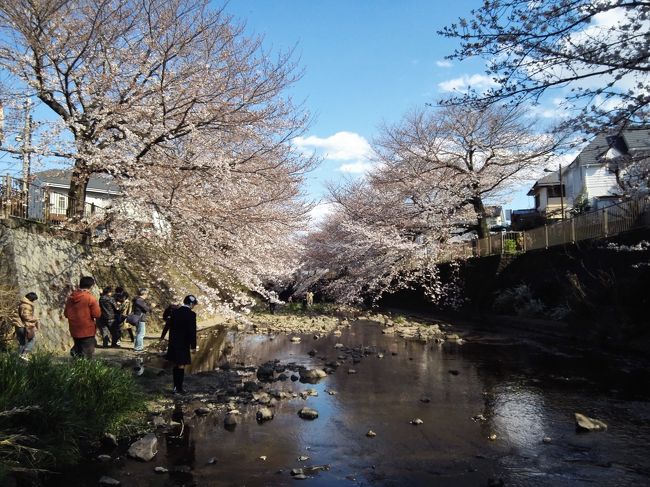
32	202
612	220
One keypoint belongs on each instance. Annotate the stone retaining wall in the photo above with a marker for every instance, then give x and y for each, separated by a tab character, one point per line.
50	261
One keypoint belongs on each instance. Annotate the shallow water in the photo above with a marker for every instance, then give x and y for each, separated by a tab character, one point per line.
524	392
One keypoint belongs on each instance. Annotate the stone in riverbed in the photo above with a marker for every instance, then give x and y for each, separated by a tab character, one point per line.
145	448
104	458
308	413
160	470
584	423
371	434
295	339
417	421
230	421
352	371
109	440
202	411
252	386
109	481
312	374
264	414
265	372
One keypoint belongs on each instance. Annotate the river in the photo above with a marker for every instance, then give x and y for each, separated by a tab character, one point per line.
486	406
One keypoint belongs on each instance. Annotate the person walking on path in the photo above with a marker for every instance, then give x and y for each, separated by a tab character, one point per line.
82	310
26	325
141	307
182	339
106	322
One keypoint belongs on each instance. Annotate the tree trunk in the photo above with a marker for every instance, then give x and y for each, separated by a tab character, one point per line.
482	229
77	192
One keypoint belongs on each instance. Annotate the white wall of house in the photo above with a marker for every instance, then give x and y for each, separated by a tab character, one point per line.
574	181
599	182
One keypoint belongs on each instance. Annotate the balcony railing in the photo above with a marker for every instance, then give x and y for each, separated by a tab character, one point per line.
36	203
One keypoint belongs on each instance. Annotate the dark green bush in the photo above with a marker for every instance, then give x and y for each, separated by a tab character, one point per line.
50	410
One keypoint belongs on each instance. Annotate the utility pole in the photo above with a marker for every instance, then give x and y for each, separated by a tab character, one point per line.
561	191
27	145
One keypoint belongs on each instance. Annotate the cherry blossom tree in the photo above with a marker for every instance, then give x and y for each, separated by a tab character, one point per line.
374	242
432	173
189	117
598	51
125	77
469	153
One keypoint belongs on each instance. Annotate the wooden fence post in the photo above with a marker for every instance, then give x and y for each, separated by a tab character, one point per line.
605	222
546	234
573	230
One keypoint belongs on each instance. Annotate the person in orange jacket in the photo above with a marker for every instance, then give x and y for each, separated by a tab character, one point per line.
81	310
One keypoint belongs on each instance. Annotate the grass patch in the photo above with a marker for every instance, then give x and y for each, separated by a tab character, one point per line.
50	411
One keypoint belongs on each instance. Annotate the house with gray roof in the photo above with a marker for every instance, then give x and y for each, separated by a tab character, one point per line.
55	184
590	181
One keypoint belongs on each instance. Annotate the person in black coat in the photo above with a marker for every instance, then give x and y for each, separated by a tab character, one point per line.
182	339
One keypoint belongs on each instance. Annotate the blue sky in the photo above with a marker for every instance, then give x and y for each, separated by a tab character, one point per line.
365	62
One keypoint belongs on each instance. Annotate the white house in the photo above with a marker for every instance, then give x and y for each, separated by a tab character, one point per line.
589	182
54	185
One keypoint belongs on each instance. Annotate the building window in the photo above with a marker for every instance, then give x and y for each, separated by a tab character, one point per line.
554	191
537	201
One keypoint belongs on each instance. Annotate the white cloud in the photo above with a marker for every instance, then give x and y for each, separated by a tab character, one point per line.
478	82
444	63
358	167
319	212
342	146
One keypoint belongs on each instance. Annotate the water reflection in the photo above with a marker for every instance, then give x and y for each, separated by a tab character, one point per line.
412	380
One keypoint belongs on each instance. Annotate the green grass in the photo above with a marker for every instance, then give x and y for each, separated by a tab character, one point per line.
49	410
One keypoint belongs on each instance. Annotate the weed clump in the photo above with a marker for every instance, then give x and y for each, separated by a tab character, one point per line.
50	411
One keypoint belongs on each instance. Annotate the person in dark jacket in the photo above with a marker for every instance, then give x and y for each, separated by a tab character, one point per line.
182	339
106	322
167	315
123	309
141	307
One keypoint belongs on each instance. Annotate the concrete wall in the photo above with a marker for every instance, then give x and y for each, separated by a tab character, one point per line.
49	262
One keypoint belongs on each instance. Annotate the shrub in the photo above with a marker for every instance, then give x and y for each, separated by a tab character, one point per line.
518	300
8	307
509	246
50	410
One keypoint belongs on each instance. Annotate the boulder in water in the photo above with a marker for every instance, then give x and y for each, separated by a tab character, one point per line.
585	423
145	448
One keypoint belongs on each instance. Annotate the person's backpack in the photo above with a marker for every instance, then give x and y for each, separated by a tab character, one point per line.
133	318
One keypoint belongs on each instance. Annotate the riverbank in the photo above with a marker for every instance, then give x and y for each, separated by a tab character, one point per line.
240	422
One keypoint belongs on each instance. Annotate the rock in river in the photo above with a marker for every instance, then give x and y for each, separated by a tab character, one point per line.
584	423
230	420
308	413
312	373
417	421
145	448
108	481
264	414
